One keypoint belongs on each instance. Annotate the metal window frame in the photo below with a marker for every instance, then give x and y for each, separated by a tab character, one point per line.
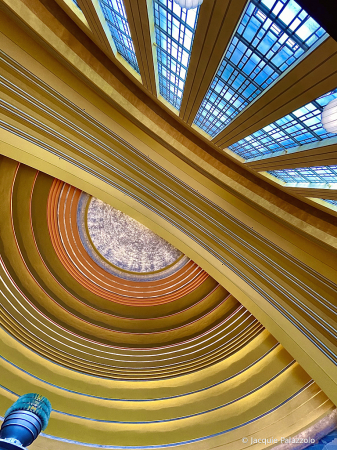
302	174
165	82
261	150
209	117
121	37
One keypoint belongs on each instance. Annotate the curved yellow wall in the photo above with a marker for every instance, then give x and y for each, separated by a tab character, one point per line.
233	357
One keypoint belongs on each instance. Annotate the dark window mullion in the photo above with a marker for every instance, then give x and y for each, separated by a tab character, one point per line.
277	21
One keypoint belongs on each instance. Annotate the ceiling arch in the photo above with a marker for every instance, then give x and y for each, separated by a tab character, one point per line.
137	374
237	339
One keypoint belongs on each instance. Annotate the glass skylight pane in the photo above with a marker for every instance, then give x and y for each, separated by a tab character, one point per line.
300	127
115	15
270	37
78	6
332	202
175	29
316	175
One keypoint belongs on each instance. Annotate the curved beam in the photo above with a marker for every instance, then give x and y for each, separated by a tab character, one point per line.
216	24
142	29
322	153
98	25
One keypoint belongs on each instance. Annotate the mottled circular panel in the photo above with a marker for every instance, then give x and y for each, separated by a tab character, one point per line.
125	242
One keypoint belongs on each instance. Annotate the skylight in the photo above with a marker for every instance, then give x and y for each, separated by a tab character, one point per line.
175	29
115	15
270	37
308	175
78	6
332	202
297	128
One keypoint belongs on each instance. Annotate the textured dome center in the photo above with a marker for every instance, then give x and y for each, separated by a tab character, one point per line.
125	242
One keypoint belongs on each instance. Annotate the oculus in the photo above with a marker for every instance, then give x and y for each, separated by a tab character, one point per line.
126	243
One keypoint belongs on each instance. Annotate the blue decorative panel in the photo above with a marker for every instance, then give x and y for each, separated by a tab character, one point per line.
322	174
271	36
175	29
300	127
115	15
328	442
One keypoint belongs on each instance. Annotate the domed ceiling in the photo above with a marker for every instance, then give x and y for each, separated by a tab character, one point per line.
133	343
204	125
